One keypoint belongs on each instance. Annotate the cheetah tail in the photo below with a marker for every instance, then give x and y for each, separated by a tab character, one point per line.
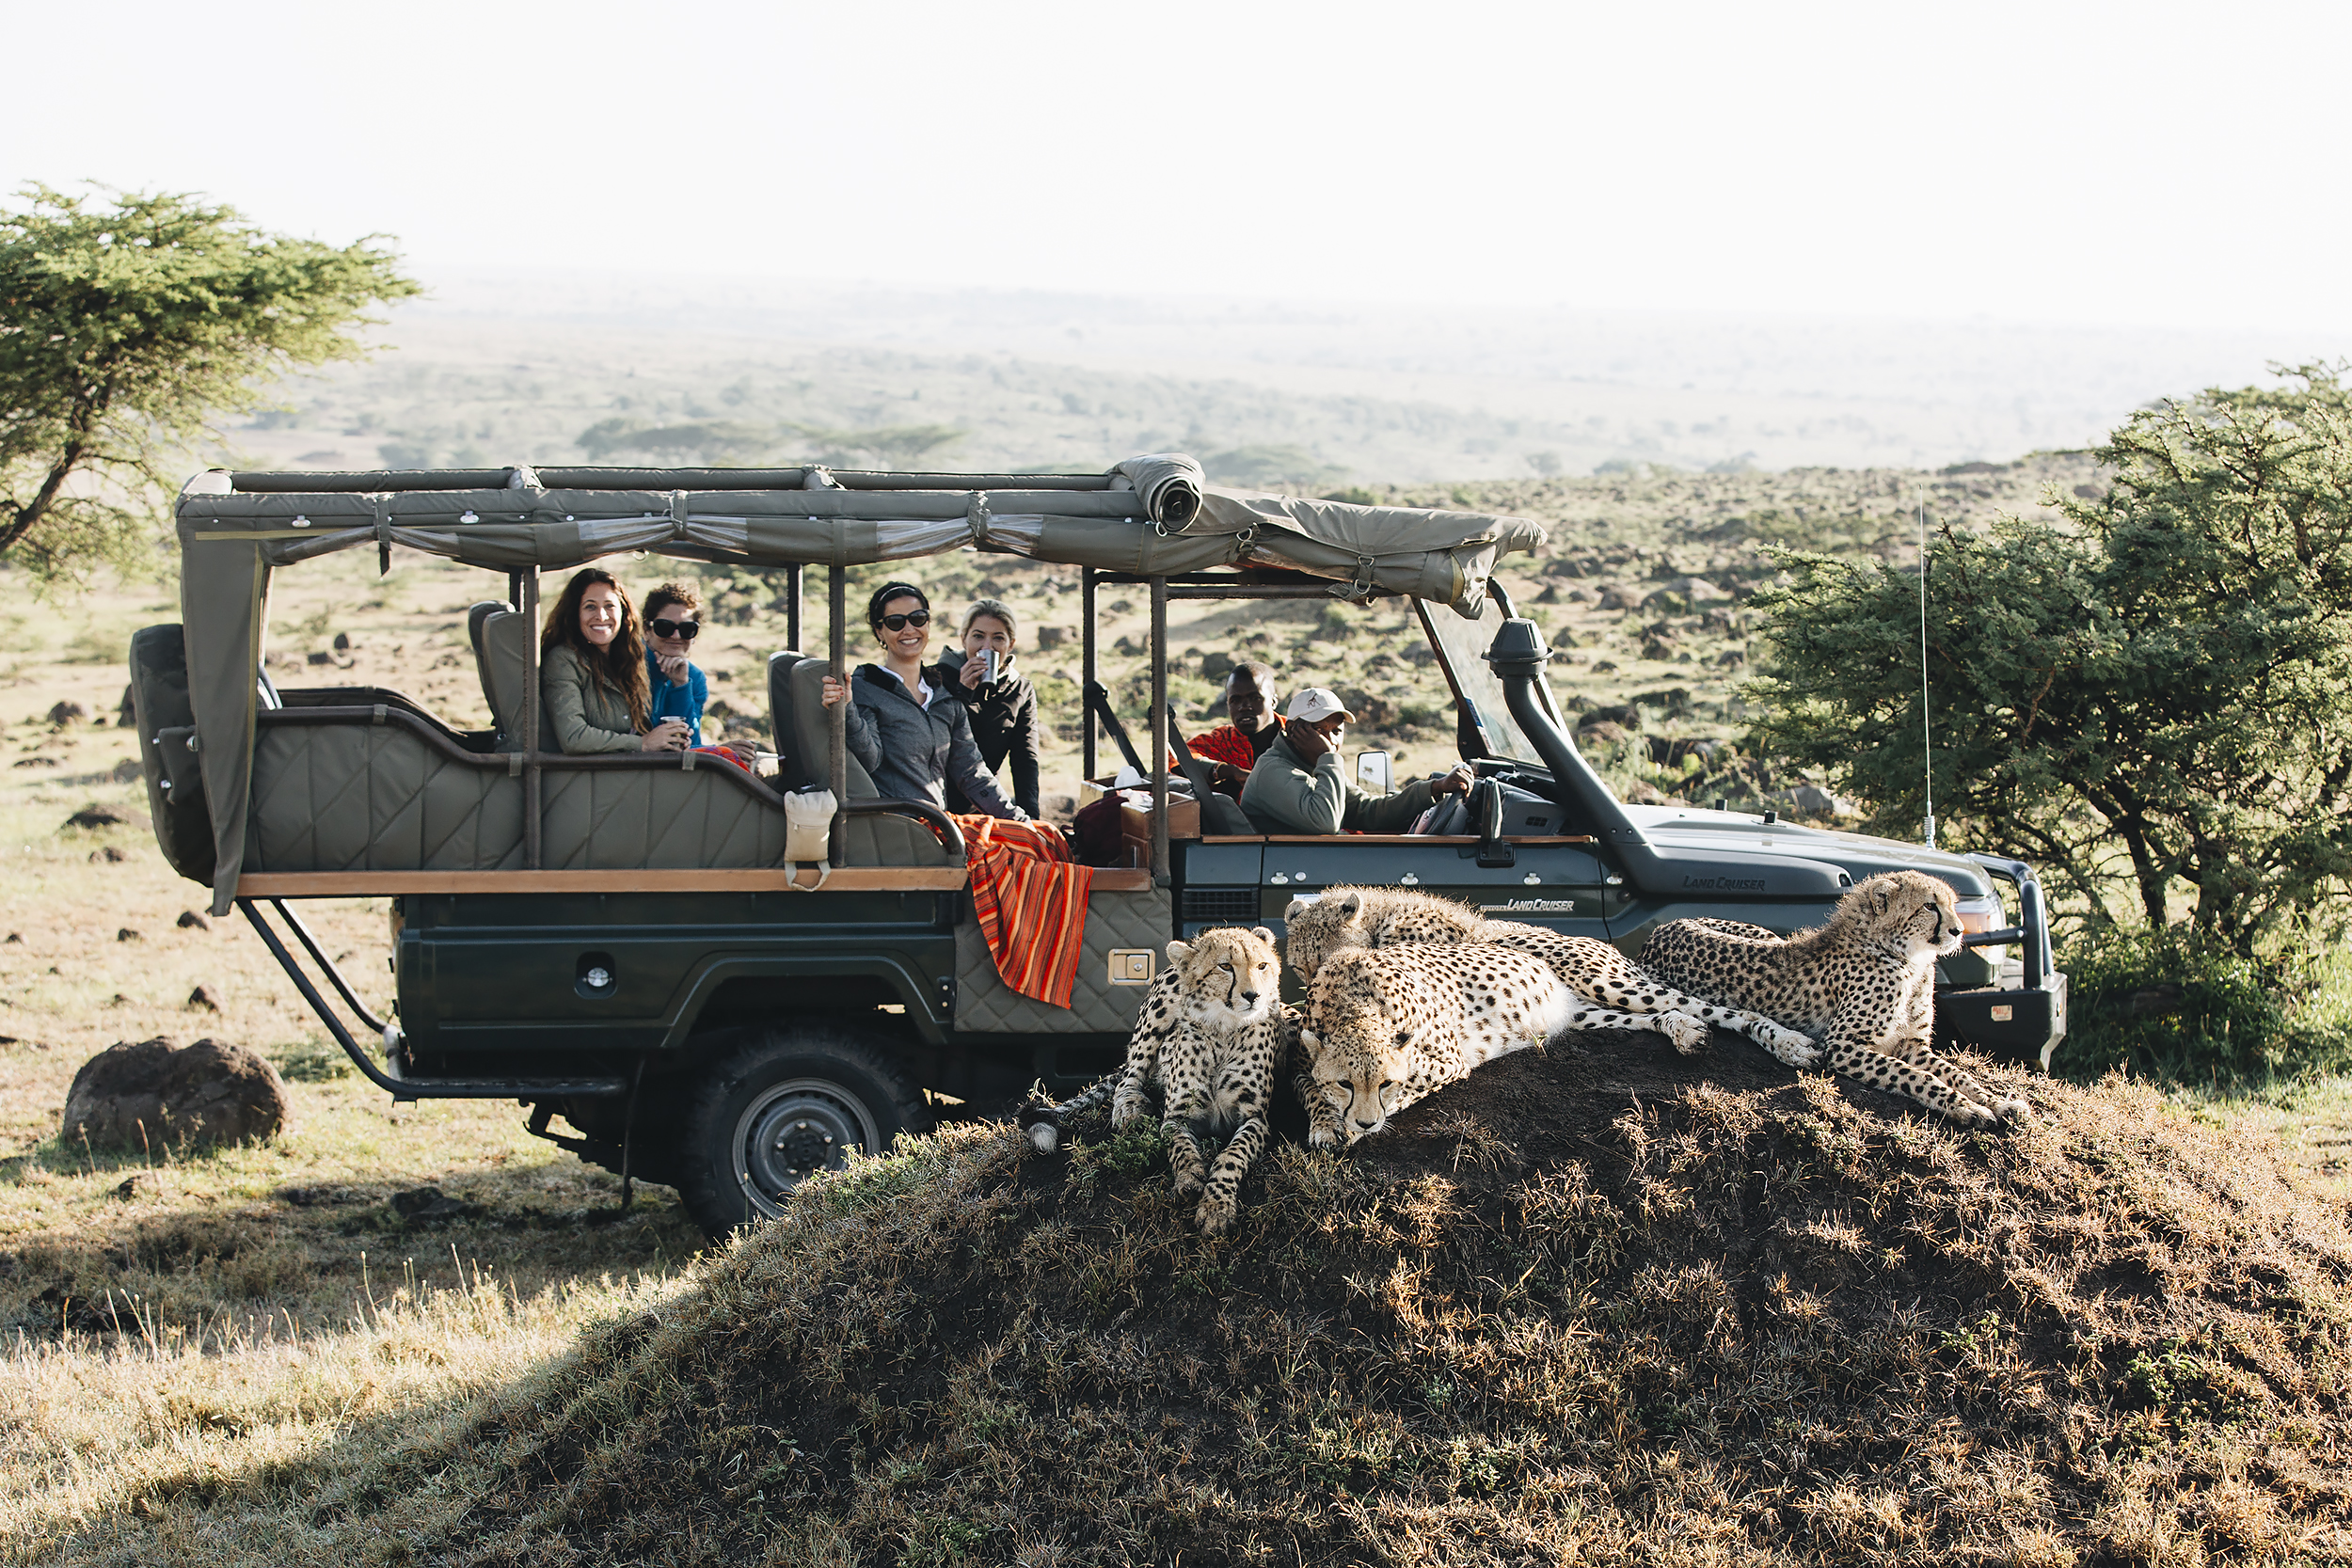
1041	1120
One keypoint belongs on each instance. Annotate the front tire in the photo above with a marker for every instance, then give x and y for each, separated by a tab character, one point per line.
784	1104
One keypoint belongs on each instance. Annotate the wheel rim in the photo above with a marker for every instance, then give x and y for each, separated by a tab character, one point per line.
792	1130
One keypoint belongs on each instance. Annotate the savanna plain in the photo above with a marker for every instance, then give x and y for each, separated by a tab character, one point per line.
1593	1306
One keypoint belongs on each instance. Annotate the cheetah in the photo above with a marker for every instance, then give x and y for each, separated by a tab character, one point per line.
1211	1033
1865	978
1358	917
1385	1029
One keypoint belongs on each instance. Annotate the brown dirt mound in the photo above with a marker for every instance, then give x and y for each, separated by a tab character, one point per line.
1599	1305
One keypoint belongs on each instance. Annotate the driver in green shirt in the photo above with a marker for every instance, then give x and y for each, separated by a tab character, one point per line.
1297	787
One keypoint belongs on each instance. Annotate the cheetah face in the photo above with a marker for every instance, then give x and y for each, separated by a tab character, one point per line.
1230	978
1909	911
1321	925
1361	1062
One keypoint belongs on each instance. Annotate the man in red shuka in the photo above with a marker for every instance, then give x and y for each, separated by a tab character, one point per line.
1233	748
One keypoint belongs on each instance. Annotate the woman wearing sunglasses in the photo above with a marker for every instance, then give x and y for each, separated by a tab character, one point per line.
909	735
674	619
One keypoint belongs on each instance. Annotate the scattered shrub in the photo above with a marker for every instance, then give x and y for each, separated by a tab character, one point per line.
2156	1005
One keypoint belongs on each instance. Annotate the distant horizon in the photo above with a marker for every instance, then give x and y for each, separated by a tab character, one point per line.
428	272
1498	387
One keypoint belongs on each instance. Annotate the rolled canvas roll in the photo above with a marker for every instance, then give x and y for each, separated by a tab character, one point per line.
1169	483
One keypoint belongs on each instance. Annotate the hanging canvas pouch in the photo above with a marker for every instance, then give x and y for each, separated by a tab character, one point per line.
808	830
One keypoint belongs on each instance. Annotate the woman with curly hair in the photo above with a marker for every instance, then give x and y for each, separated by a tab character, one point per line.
592	671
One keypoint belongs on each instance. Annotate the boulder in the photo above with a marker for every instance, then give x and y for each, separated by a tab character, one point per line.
92	817
206	1093
67	713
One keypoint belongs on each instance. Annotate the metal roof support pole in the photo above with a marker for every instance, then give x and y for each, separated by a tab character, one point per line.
1085	666
530	720
1159	731
837	717
792	576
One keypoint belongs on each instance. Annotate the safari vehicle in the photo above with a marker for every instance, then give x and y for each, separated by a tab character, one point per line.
619	941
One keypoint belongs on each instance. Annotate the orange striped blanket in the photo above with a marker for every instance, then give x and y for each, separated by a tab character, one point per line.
1031	899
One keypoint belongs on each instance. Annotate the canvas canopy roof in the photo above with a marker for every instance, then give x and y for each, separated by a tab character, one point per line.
1153	516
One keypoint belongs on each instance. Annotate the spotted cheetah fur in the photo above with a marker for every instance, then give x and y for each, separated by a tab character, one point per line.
1360	917
1384	1029
1865	979
1211	1035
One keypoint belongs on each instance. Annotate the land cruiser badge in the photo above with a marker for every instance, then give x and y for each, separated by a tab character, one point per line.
1531	905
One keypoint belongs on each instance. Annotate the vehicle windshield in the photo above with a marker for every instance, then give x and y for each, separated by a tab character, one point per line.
1463	644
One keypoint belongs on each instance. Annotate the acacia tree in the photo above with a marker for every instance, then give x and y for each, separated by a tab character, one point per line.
126	327
2152	698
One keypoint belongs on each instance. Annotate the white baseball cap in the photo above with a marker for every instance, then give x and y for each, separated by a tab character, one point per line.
1314	704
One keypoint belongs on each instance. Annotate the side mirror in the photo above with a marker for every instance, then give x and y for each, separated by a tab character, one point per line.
1373	773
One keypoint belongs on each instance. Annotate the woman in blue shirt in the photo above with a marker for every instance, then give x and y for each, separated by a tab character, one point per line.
672	620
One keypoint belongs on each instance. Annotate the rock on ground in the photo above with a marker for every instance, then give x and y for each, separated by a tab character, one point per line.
209	1092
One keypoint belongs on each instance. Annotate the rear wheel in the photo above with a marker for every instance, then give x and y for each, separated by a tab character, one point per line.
784	1104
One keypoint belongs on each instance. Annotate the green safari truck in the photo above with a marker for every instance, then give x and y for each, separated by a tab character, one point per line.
621	943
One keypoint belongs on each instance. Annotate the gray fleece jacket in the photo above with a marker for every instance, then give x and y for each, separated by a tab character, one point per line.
1285	796
911	749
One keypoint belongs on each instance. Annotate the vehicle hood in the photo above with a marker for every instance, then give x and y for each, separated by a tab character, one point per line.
1858	855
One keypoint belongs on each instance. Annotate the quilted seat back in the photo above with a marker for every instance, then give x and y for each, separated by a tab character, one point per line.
502	652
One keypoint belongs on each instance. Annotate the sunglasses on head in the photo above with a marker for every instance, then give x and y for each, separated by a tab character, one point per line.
667	627
900	623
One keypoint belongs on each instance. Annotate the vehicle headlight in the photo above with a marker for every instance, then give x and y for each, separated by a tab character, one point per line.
1983	912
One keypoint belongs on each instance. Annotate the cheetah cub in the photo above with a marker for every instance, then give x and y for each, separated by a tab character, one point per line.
1866	977
1360	917
1211	1035
1384	1029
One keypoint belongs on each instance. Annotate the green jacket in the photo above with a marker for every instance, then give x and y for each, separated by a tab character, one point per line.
581	714
1285	796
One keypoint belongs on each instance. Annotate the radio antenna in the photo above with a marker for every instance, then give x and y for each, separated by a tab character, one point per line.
1927	737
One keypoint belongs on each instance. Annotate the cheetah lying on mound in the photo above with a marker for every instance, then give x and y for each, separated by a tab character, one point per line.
1384	1029
1211	1034
1865	979
1346	918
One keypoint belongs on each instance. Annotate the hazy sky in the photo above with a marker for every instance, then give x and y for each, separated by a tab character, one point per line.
2160	163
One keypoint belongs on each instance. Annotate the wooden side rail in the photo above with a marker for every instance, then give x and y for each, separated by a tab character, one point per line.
1386	839
851	878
